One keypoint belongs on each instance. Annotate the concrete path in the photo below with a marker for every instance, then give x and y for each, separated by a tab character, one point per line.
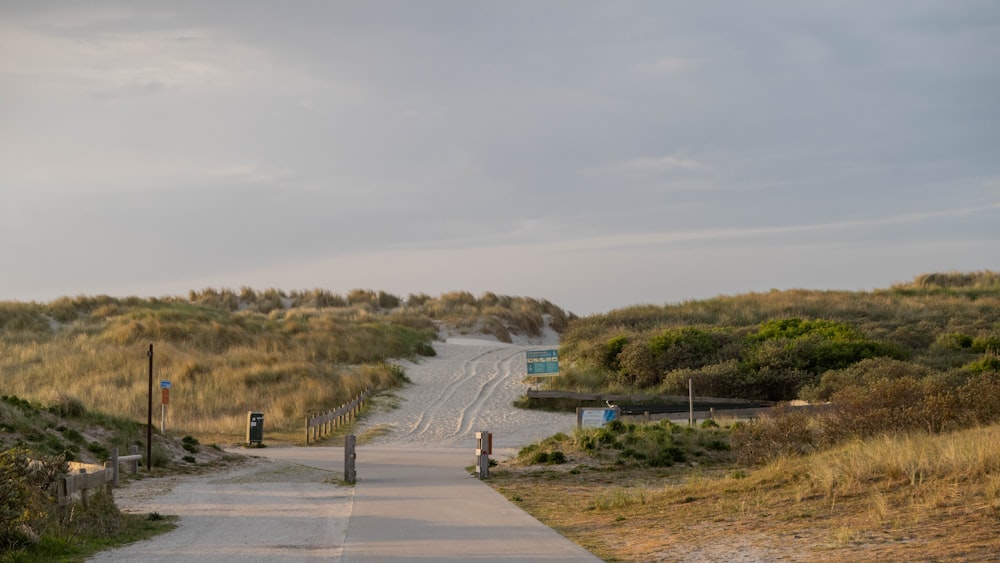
420	504
414	500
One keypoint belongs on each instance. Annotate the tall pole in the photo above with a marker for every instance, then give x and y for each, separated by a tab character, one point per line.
149	414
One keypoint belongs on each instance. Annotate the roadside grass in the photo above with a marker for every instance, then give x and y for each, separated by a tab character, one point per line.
105	528
890	498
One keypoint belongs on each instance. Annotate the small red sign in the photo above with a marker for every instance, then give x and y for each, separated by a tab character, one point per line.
165	396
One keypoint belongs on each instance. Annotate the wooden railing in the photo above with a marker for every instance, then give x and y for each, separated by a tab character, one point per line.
323	424
538	394
84	477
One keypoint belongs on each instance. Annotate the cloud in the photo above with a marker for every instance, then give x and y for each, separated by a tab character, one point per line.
665	65
660	164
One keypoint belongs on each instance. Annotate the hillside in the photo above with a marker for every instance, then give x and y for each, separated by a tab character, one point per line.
227	352
785	345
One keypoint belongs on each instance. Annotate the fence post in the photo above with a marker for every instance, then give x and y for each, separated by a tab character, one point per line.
114	467
307	430
83	492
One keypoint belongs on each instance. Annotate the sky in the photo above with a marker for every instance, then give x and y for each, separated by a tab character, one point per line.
595	154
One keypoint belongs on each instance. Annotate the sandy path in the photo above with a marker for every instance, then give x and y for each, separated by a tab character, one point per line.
468	387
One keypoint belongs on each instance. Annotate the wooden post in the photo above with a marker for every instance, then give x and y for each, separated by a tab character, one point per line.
83	492
134	464
350	455
149	415
114	467
690	403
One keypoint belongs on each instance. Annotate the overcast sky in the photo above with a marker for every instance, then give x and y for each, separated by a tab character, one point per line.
596	154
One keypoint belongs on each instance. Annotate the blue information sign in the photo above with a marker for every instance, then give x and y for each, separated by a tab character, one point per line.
543	362
164	384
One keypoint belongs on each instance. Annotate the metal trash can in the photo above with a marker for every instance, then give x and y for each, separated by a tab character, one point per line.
255	428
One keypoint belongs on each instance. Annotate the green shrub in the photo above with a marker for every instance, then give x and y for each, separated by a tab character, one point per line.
539	457
99	450
68	407
160	457
989	362
24	493
426	350
986	344
72	435
612	349
954	341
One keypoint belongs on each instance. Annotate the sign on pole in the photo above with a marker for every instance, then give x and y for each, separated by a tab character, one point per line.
164	401
543	362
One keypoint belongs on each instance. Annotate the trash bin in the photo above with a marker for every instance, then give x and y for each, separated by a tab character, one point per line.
255	428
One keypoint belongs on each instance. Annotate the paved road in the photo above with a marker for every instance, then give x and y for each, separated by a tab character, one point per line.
414	500
420	504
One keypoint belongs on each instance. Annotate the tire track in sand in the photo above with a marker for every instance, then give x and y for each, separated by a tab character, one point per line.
430	414
501	371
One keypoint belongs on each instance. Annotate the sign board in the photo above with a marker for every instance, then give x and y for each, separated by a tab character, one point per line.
164	384
165	396
595	417
543	362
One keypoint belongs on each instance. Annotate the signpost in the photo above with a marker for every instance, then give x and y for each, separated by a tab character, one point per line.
164	401
542	362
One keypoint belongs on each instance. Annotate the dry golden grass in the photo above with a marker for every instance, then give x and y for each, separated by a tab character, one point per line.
917	497
227	352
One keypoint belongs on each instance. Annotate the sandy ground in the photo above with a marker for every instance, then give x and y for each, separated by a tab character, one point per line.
468	387
288	509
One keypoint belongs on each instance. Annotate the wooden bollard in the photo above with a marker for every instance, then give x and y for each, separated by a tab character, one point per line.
350	455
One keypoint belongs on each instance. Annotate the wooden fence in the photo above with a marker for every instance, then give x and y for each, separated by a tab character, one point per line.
323	424
538	394
84	477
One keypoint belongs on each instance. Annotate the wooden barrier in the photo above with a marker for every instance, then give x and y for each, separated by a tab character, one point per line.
84	477
539	394
323	424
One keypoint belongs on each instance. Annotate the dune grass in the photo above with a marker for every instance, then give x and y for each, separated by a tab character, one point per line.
888	498
228	352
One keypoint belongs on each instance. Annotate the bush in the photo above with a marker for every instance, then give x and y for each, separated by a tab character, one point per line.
989	362
160	457
890	406
784	432
860	374
24	493
426	350
539	457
